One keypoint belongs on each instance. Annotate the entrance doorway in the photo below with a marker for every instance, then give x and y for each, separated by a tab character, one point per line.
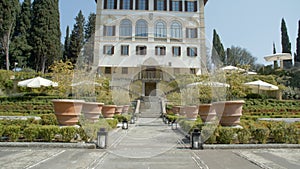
150	87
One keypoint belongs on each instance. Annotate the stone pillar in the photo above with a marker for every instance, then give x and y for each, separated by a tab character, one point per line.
202	38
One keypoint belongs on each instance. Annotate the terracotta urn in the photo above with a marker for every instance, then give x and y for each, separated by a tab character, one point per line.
108	111
229	112
191	112
67	111
119	110
125	109
176	109
92	110
206	113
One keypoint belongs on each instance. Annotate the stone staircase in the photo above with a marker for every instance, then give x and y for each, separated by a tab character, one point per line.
150	107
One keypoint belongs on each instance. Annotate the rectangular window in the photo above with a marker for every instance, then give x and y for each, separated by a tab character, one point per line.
192	51
125	50
141	50
109	31
107	70
176	50
193	71
124	70
141	4
160	5
191	33
190	6
110	4
176	71
176	5
126	4
108	50
160	50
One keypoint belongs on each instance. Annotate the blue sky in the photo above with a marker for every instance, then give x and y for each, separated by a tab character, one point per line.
250	24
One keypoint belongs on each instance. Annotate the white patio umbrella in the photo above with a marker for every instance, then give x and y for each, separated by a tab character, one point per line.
261	85
212	84
230	68
279	56
37	82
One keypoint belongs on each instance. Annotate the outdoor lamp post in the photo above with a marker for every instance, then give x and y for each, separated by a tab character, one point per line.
125	124
132	120
196	139
174	125
102	138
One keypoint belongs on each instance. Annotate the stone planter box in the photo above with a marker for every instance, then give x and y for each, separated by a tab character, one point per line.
229	112
108	111
206	113
191	112
67	111
176	109
92	110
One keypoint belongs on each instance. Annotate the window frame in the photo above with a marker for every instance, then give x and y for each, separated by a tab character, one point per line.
145	4
107	48
173	51
176	32
125	29
192	33
122	49
160	50
192	51
139	51
160	30
109	30
107	70
141	28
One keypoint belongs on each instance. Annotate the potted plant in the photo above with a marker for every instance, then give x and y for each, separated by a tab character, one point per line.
190	98
67	111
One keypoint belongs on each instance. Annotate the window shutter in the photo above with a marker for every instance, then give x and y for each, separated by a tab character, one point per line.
115	4
104	30
105	4
121	5
136	4
112	50
170	3
165	5
114	30
155	4
185	4
179	51
188	51
147	4
195	6
131	4
195	51
180	5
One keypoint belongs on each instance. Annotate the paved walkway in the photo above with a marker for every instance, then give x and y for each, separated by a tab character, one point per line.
147	144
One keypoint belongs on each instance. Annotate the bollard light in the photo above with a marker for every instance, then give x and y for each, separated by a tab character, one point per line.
174	125
132	120
196	139
125	124
164	118
167	121
102	138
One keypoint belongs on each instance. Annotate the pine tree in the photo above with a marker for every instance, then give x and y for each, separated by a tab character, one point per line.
67	44
77	38
286	44
20	48
218	53
45	34
297	54
9	10
275	61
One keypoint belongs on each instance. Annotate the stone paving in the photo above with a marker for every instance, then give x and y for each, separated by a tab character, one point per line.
147	144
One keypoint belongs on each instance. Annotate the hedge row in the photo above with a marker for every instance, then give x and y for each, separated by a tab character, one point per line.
252	132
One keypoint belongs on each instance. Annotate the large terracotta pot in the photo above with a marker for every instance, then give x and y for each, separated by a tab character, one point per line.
125	109
108	111
176	109
206	113
92	110
229	112
118	110
191	112
67	111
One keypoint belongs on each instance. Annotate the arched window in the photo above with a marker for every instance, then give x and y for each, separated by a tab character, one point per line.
176	30
125	27
141	28
160	29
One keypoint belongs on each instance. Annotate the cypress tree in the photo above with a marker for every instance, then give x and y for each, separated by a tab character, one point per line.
275	61
286	44
77	38
297	55
90	28
45	34
218	53
9	10
67	44
20	48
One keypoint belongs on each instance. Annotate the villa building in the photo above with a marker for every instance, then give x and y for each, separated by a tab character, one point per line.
149	40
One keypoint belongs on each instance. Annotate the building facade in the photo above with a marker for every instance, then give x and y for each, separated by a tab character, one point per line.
149	40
